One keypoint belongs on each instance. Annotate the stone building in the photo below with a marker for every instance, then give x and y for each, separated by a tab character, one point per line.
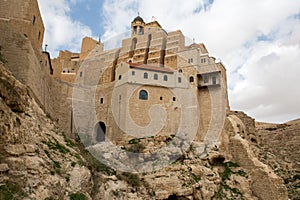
152	67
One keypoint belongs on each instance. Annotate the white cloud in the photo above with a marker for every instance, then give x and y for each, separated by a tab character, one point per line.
262	74
61	30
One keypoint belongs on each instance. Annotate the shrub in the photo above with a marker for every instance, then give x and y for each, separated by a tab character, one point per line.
78	196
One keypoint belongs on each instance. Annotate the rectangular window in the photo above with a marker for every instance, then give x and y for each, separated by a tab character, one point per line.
133	73
174	98
214	80
80	74
205	79
101	100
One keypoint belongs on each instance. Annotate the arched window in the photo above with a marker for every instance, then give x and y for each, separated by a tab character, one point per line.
145	75
143	95
180	70
191	79
133	44
165	78
155	76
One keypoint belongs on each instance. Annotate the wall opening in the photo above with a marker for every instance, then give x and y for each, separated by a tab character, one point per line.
191	79
100	131
165	78
143	95
33	20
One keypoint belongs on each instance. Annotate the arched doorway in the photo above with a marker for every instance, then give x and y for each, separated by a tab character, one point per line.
100	130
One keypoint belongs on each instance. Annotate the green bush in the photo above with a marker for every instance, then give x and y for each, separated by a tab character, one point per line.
78	196
11	191
130	178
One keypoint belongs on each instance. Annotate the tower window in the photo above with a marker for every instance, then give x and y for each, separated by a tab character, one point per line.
141	30
145	75
191	79
101	100
165	78
155	77
135	29
179	79
143	95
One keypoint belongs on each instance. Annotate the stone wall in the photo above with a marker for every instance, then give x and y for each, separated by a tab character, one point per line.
24	17
23	62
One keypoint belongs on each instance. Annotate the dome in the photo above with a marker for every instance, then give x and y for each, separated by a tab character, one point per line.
138	18
194	45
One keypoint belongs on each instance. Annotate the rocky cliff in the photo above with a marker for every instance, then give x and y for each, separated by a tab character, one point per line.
38	162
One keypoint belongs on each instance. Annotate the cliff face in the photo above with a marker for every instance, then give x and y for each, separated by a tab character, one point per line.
279	147
38	162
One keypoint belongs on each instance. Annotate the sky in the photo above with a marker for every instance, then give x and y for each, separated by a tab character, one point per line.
258	41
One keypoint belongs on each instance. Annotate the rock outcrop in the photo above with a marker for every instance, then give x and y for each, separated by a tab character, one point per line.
36	160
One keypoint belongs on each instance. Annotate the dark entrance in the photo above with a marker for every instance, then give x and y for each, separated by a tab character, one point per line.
100	131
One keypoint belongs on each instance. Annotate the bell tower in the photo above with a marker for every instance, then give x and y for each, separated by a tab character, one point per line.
137	26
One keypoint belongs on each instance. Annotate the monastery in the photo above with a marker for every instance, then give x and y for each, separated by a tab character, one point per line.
153	84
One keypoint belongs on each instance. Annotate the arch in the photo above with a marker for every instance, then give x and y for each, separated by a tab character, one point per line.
143	95
191	79
100	130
